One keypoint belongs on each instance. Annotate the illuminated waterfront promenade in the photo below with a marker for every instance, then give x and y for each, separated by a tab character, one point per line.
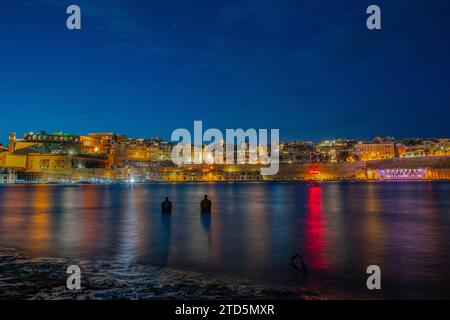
401	169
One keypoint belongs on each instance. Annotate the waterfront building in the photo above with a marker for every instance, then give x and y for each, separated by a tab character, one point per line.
91	145
35	166
335	150
296	152
135	149
41	142
41	155
106	140
7	176
374	151
166	148
412	148
3	155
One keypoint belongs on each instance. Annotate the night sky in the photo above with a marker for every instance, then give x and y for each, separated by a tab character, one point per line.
144	68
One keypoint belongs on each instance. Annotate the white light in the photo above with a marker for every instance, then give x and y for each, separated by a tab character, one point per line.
209	158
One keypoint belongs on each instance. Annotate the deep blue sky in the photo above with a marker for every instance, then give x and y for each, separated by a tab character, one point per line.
145	68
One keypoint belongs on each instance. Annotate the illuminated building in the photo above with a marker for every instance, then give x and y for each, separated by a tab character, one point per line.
334	151
3	158
374	151
400	173
90	145
135	149
7	176
56	143
412	148
40	155
57	137
166	150
296	152
105	140
34	167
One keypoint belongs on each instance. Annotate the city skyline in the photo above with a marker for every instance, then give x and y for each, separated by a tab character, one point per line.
312	70
19	133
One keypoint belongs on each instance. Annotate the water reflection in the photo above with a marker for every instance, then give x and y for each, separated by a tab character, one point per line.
205	219
90	200
13	215
334	208
255	216
166	228
373	230
315	243
69	234
341	228
39	228
136	232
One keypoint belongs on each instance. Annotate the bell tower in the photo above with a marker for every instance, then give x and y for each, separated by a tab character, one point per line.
12	141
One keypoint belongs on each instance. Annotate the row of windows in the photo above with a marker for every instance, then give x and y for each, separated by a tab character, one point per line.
51	138
219	178
365	148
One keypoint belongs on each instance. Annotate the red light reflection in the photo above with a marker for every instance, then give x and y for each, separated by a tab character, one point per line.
315	242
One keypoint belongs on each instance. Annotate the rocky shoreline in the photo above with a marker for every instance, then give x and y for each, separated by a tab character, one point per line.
27	278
